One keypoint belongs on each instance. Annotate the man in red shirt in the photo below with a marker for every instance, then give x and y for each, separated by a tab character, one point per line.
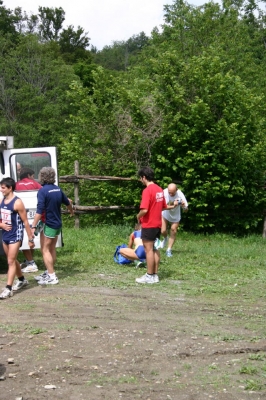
150	216
27	182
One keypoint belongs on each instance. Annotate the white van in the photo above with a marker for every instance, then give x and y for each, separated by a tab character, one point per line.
35	158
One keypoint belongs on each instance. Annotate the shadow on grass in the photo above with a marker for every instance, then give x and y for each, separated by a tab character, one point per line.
167	274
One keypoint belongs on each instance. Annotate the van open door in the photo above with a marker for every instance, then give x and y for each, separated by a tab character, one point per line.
11	162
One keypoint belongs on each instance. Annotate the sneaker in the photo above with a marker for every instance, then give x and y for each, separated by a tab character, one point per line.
157	244
20	284
41	276
24	264
169	253
31	267
155	278
6	293
164	242
145	279
140	264
47	280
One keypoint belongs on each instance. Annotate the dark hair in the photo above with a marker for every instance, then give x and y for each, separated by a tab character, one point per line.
147	172
8	182
25	172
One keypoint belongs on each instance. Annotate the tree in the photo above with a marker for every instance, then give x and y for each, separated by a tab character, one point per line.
73	44
215	137
206	71
51	22
7	21
33	85
121	54
112	131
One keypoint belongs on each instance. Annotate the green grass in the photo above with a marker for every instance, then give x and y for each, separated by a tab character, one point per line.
211	263
209	266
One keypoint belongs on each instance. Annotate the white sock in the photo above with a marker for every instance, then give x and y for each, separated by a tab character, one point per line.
52	275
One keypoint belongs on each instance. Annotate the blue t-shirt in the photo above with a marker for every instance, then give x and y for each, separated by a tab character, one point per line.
50	198
137	234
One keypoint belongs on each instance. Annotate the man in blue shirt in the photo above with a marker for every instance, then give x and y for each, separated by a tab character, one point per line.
50	198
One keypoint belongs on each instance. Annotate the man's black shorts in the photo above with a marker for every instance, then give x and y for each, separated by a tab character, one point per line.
150	234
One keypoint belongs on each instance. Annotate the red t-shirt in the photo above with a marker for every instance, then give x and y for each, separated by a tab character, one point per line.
27	184
152	200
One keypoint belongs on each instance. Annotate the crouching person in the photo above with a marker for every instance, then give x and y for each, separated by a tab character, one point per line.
135	250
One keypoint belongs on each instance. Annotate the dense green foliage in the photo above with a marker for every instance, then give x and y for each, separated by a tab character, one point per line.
33	93
189	101
121	54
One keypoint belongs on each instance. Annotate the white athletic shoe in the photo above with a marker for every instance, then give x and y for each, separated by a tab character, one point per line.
169	253
139	264
20	284
47	280
145	279
30	267
41	276
6	293
155	278
24	264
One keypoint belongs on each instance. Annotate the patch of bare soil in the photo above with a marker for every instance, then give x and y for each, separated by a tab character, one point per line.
93	343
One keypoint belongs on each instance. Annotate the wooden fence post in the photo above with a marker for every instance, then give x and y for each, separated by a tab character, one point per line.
264	228
76	193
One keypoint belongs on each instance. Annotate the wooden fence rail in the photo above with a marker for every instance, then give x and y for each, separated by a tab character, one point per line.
74	179
88	209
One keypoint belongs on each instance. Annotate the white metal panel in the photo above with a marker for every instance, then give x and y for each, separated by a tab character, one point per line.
29	198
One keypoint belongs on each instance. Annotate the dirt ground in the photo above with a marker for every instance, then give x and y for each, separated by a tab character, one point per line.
74	343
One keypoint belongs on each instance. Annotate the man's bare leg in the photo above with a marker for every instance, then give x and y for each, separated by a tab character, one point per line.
173	232
164	227
49	253
28	254
14	269
129	254
152	257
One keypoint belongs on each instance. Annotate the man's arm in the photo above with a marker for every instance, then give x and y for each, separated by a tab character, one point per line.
172	206
184	203
37	218
5	226
20	208
40	208
70	209
141	214
131	241
68	203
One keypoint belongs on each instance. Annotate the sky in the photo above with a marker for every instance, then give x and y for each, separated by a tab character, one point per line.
105	21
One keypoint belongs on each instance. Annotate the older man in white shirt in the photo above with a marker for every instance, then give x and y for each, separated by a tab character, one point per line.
172	217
